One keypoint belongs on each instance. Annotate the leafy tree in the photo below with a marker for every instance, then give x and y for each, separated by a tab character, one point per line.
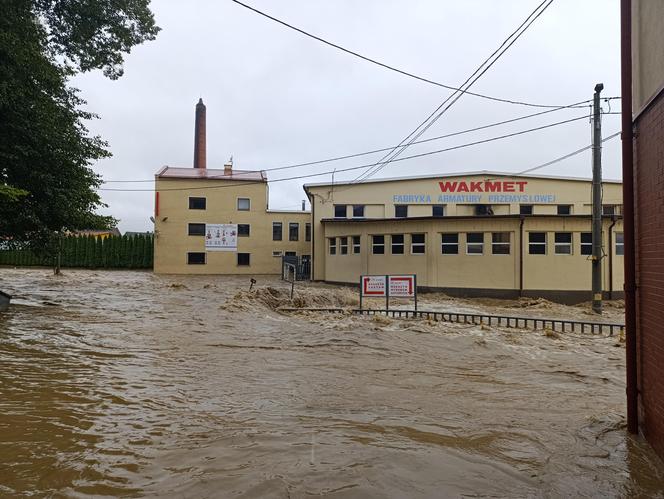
47	185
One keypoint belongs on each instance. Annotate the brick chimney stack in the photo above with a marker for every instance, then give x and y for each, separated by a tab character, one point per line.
199	136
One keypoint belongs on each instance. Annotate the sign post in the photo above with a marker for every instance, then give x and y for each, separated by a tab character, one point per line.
395	286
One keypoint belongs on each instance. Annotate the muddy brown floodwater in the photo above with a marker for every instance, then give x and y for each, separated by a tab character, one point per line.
130	384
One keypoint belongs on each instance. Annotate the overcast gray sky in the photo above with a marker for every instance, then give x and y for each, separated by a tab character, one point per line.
275	97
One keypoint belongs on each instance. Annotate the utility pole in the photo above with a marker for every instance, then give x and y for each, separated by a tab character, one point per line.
597	202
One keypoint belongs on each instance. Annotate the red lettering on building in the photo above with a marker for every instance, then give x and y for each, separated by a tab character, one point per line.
484	186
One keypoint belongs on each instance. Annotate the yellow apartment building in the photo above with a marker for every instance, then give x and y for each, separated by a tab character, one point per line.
472	234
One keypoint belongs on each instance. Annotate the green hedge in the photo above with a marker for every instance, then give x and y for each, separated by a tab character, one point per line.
114	252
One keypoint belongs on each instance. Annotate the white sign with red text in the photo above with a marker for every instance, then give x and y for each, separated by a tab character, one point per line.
402	286
373	285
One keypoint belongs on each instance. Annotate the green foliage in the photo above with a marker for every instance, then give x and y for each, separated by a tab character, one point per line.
47	185
113	252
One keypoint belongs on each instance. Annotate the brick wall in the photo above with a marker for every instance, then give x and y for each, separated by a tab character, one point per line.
649	228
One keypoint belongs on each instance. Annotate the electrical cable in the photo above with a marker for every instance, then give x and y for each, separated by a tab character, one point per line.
481	69
366	153
381	64
353	168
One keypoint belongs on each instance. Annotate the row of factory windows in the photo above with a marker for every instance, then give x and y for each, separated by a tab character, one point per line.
450	243
438	210
243	259
244	230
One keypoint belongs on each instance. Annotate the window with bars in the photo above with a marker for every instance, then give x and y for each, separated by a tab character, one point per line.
537	243
450	244
500	243
475	243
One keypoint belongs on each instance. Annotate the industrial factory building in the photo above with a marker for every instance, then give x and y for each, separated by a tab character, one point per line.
475	234
217	221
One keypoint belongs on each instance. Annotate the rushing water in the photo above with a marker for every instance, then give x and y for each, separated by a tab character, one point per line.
130	384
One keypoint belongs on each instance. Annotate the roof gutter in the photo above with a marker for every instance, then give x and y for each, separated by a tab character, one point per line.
628	214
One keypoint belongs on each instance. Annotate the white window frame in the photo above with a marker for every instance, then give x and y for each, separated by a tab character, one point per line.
297	224
569	245
345	210
402	244
237	203
473	244
332	245
414	245
620	244
363	210
444	244
357	248
343	245
582	244
373	244
508	244
546	237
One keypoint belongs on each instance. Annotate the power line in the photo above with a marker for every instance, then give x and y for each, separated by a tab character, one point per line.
381	64
481	69
366	153
354	168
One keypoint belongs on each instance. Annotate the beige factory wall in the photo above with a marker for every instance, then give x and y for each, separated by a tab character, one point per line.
172	241
470	271
647	51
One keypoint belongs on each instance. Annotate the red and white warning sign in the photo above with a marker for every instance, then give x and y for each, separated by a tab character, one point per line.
373	285
402	286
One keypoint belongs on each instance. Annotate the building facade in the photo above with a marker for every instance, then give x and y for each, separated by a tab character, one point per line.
481	234
642	24
192	204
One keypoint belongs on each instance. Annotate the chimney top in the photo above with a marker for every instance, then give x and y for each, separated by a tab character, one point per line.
199	136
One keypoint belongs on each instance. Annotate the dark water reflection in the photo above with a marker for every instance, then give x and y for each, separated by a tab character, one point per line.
129	384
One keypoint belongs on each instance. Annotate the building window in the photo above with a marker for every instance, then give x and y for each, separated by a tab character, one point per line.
276	253
564	209
475	243
339	211
397	244
243	230
276	231
586	243
343	245
620	243
356	245
537	243
358	211
400	210
500	243
243	259
483	209
525	209
293	231
197	203
290	253
196	229
450	244
333	245
417	246
378	245
438	210
243	204
563	243
307	232
608	209
195	258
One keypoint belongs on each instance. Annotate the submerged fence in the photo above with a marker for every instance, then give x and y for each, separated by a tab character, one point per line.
113	252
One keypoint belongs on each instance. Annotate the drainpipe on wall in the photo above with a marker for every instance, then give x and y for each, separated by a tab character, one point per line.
522	220
628	214
613	222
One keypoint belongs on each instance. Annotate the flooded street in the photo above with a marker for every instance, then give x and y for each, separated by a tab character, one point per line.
131	384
